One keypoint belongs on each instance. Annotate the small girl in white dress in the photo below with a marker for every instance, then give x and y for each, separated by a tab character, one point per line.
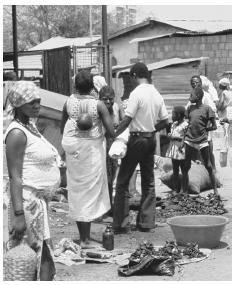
176	150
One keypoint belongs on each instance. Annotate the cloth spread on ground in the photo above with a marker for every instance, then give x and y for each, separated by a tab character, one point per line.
67	252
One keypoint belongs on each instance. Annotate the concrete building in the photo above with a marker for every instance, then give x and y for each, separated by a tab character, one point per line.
123	52
217	46
124	15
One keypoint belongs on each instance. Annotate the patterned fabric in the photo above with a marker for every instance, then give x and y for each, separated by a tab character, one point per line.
76	105
20	93
175	151
23	92
40	177
35	209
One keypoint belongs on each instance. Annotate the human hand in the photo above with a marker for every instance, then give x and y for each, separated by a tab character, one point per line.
19	227
221	122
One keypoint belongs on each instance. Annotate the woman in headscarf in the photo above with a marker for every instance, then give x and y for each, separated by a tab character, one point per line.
224	110
83	142
33	176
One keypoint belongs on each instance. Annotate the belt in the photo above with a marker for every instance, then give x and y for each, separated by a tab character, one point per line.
142	134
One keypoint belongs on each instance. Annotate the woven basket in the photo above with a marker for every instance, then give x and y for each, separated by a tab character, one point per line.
20	263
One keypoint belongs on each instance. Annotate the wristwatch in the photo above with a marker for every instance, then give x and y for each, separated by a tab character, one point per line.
19	213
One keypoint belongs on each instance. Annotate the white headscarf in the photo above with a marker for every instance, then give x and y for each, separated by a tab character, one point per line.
99	82
224	82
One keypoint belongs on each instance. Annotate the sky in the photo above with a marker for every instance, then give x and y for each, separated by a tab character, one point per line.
185	12
163	9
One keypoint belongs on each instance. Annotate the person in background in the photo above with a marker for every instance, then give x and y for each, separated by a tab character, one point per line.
33	177
98	82
207	86
83	143
206	100
107	95
176	150
145	108
225	97
201	119
224	109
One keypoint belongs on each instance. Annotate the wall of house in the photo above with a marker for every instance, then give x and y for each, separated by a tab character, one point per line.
124	52
217	47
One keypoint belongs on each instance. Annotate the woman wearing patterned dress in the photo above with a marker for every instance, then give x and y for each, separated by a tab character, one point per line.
84	145
176	150
33	176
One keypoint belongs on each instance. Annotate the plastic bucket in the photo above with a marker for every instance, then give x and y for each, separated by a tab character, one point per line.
206	230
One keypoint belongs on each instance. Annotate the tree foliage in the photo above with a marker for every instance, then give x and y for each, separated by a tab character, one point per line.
37	23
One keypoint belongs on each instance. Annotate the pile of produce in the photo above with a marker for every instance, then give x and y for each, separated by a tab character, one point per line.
184	204
170	250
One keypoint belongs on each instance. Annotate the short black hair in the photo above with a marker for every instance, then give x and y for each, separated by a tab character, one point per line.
84	82
140	70
106	90
10	76
196	76
199	91
180	110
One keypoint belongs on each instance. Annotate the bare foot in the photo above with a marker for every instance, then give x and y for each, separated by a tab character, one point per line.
90	244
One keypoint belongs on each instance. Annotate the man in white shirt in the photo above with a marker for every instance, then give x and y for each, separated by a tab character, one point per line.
145	114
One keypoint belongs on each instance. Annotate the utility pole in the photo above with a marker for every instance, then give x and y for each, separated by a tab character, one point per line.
106	58
15	40
90	23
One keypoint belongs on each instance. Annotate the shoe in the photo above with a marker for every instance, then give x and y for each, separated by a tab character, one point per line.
144	230
120	230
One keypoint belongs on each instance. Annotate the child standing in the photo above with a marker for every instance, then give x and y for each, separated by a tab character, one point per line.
176	151
107	95
201	120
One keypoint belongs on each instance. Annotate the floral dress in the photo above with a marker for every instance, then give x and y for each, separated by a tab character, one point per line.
175	150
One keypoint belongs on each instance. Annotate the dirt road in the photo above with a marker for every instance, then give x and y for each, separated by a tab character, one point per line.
216	268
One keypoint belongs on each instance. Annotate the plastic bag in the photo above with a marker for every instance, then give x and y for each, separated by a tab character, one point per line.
118	149
149	265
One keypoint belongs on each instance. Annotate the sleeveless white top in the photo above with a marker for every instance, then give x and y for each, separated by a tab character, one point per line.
40	165
76	105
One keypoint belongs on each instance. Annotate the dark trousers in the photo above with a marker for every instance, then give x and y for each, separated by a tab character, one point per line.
139	150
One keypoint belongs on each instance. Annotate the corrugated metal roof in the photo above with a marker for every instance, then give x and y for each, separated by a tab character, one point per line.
181	34
57	42
134	28
188	25
161	64
136	40
201	25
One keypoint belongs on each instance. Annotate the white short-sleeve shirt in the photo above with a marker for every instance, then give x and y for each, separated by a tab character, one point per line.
145	107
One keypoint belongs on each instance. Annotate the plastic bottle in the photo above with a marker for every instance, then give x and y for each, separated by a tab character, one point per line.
108	238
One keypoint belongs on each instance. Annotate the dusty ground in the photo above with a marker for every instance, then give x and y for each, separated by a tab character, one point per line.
217	267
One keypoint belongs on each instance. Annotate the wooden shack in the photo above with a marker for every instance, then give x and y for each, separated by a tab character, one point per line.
171	77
